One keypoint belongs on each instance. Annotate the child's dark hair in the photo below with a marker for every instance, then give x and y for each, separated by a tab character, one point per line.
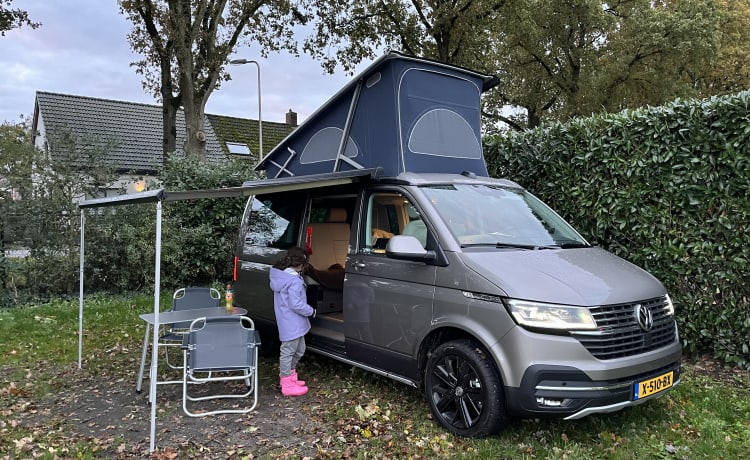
294	257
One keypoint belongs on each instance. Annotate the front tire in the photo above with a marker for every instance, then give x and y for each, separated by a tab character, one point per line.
464	390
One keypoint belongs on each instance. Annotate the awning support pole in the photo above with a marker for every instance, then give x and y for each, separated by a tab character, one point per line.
155	344
80	292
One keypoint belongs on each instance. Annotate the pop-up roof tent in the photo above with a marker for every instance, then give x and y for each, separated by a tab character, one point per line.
400	114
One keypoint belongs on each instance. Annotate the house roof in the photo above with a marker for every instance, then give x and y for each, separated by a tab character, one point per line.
242	130
135	129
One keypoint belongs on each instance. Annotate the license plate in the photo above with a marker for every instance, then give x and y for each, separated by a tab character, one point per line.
652	386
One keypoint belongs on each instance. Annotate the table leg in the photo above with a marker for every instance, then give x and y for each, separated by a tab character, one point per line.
153	374
139	386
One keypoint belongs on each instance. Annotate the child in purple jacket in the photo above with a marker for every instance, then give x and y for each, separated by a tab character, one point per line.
292	317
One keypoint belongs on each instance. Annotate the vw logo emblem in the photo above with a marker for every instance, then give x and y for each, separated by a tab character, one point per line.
643	316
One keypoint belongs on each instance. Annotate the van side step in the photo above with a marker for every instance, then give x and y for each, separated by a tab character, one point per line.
342	357
333	322
325	339
327	333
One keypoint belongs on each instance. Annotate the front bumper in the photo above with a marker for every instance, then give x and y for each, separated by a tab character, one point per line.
566	392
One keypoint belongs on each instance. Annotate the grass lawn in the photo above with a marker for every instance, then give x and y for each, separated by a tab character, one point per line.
51	409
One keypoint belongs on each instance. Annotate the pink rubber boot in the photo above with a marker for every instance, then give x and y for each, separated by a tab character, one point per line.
289	387
295	377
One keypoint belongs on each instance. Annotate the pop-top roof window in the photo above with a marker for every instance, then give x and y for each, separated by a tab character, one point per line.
443	132
324	146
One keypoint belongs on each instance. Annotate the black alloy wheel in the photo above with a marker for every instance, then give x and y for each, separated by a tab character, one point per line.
464	390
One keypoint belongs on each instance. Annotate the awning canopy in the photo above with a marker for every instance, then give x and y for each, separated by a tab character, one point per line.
248	188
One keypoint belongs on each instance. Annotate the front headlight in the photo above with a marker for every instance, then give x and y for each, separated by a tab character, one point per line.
669	306
550	316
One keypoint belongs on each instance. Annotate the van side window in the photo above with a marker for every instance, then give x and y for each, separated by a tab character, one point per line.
379	224
390	214
273	220
415	226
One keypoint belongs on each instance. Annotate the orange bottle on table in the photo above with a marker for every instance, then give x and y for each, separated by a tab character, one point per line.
229	298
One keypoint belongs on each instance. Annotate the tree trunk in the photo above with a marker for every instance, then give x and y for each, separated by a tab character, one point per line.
195	136
169	128
193	105
169	105
533	118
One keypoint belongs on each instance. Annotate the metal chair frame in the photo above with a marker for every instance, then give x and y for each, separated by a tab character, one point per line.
220	349
186	299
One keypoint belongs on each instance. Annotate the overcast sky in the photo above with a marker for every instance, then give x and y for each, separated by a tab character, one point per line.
81	49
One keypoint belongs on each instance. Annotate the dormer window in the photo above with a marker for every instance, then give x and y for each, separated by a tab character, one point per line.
236	148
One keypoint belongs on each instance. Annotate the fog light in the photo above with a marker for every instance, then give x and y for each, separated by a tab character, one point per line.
549	402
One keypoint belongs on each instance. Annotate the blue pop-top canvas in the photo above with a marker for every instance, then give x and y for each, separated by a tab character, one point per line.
401	114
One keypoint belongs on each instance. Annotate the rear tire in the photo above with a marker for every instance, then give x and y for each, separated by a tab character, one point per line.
464	390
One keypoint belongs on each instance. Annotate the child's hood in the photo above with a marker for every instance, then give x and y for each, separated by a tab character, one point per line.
281	280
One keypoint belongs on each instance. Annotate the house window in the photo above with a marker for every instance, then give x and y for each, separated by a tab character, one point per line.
236	148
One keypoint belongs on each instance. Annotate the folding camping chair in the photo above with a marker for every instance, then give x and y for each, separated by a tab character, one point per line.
220	349
188	298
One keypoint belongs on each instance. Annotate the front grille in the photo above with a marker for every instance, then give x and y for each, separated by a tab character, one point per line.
619	334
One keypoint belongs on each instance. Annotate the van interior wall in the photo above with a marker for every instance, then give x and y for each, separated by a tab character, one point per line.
329	245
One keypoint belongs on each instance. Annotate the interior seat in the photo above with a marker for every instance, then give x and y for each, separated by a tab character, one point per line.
329	240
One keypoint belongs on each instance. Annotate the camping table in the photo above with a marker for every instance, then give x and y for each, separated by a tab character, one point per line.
169	317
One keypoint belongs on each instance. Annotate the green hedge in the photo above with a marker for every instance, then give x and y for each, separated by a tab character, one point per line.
198	237
667	188
198	240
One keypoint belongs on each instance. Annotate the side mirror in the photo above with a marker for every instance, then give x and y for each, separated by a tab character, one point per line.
406	247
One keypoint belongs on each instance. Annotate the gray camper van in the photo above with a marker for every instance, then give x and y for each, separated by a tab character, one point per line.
462	285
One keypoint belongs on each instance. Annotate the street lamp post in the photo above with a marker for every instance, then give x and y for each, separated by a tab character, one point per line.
260	117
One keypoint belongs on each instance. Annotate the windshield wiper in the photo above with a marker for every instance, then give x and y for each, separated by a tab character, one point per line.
474	245
574	244
529	247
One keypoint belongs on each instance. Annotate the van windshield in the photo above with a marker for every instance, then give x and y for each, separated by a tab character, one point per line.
484	215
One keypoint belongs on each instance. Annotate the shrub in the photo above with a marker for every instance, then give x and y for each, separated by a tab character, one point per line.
197	237
665	188
197	241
